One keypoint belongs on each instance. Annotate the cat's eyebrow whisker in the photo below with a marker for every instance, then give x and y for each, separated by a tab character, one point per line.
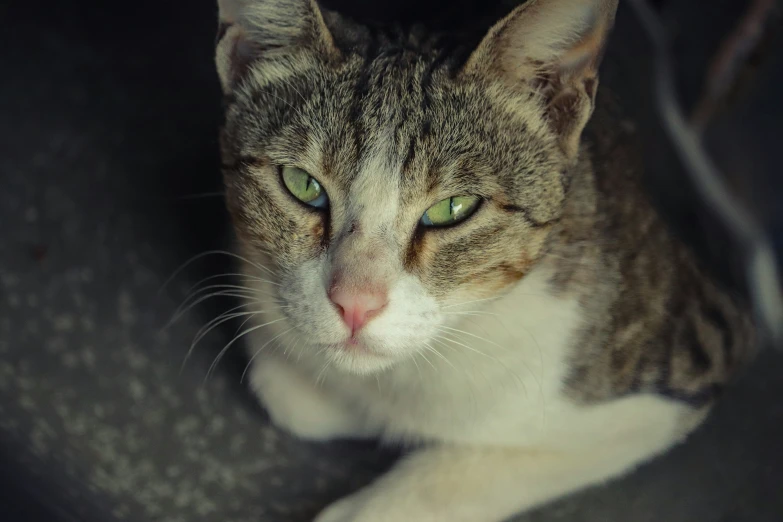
291	86
232	341
202	255
255	354
289	104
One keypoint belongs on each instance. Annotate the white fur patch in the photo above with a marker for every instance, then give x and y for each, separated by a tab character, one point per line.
493	398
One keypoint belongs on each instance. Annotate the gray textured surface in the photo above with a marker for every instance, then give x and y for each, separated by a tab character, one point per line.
107	119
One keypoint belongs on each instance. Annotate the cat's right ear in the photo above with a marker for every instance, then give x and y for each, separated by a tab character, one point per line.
278	32
552	47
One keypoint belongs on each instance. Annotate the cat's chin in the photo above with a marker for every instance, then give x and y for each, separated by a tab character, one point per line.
358	358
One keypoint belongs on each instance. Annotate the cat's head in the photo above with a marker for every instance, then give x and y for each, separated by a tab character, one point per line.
387	181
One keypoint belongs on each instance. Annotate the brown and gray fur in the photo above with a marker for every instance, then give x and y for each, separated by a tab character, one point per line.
662	324
503	122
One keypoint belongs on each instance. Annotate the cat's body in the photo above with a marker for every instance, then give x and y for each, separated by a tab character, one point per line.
555	339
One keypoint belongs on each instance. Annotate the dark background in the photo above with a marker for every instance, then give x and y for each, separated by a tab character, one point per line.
108	180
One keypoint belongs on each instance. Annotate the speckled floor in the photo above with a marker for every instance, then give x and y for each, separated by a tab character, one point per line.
108	124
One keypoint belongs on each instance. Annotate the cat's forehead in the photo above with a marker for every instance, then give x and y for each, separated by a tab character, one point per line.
408	116
434	129
389	104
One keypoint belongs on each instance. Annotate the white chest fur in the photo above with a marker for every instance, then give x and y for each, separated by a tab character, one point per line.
496	380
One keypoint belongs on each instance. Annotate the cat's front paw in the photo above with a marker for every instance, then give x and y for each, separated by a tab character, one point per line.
344	510
365	507
296	405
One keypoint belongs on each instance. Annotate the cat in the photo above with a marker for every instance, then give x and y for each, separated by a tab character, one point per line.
438	261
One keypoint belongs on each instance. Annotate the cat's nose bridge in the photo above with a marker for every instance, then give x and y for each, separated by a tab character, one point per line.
363	263
364	259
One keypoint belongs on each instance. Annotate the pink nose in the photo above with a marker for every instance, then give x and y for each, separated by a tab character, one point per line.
357	308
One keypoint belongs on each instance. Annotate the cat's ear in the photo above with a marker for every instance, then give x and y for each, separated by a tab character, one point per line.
274	30
553	47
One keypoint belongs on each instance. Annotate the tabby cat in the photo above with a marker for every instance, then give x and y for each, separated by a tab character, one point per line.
438	261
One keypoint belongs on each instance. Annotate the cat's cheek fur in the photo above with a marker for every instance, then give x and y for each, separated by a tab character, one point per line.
410	318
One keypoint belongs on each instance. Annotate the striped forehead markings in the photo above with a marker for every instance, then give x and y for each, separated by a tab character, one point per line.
375	191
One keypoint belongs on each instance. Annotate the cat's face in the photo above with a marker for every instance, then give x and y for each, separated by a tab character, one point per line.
388	189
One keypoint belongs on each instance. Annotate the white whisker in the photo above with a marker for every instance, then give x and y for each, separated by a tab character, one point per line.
211	325
457	330
209	253
250	362
179	313
287	351
222	318
416	364
204	290
430	348
474	350
321	373
231	342
243	278
291	86
474	313
428	361
471	302
531	372
242	324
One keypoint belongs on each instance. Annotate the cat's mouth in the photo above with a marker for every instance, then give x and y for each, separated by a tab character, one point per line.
356	356
356	347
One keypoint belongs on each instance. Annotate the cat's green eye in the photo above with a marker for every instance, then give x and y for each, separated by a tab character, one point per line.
450	211
304	187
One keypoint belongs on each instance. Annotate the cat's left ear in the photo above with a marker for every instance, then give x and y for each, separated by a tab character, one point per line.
279	32
553	47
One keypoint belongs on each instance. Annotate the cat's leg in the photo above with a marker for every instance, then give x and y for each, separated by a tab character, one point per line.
297	405
480	484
